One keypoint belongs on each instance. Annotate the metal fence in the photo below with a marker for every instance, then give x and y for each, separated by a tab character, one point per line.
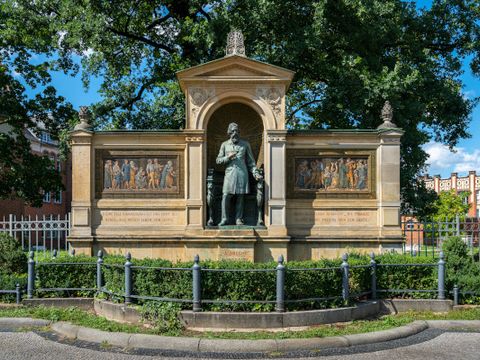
427	237
280	271
38	233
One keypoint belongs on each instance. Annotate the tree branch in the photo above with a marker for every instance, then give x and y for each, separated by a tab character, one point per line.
141	39
129	104
158	21
204	13
304	105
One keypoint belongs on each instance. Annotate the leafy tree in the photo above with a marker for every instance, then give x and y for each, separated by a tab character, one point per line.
349	57
23	174
450	204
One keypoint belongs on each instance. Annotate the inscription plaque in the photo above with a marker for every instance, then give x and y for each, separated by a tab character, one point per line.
333	217
141	217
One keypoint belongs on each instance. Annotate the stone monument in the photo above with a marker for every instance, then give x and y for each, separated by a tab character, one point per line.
159	193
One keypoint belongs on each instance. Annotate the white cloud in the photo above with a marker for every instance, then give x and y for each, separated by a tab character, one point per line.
443	161
470	94
88	52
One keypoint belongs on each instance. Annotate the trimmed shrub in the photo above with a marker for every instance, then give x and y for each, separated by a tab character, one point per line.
13	259
257	285
9	282
65	271
406	277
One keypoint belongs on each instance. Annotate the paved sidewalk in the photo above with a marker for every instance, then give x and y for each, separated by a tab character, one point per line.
210	347
446	346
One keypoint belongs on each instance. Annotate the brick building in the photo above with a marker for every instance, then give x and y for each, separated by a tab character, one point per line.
53	204
470	183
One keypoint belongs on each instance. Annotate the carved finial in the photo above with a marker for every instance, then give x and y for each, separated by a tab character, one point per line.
84	115
387	117
235	44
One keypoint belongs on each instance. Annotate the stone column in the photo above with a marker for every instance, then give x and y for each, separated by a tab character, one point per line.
275	180
472	197
195	180
436	183
82	191
453	181
388	183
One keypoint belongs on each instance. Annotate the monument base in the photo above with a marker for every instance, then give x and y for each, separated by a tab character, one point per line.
235	244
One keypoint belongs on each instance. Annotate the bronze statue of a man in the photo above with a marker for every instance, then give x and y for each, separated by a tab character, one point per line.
237	155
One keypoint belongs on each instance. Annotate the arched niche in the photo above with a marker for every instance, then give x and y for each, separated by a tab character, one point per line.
251	130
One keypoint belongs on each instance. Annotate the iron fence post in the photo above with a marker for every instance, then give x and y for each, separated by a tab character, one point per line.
457	223
345	273
128	278
373	265
280	304
441	277
99	270
31	275
18	292
455	295
10	224
197	284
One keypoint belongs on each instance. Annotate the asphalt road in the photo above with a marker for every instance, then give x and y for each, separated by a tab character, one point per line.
430	344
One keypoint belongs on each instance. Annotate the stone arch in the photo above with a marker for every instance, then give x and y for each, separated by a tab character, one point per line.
235	96
251	130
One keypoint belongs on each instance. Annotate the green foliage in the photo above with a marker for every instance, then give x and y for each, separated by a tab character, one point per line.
406	277
242	285
13	259
164	316
9	282
349	57
24	174
52	273
461	270
450	204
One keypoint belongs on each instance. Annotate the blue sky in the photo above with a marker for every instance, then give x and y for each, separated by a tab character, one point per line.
442	161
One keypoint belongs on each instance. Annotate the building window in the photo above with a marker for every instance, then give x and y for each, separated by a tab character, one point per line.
46	197
409	225
46	138
59	166
57	199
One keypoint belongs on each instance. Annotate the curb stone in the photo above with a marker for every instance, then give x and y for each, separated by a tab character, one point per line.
198	345
22	322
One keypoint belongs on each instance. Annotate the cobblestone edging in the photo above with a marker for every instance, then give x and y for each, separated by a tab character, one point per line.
198	345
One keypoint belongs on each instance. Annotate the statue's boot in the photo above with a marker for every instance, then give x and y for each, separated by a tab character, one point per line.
223	222
239	222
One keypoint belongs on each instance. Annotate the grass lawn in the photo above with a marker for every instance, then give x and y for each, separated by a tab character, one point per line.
83	318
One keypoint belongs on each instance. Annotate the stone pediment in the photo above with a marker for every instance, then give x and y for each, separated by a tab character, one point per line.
235	68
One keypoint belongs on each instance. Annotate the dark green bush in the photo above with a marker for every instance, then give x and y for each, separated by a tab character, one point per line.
9	282
461	270
50	273
406	277
13	260
248	285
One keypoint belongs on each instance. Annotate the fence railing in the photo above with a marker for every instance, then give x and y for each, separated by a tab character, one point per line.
38	233
280	271
426	237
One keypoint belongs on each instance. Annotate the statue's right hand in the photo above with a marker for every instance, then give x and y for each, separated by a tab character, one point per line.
232	155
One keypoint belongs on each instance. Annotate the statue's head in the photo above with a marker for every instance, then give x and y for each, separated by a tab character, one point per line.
234	132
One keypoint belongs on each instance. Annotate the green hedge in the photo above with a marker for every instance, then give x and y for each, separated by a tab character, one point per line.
74	275
9	282
238	285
